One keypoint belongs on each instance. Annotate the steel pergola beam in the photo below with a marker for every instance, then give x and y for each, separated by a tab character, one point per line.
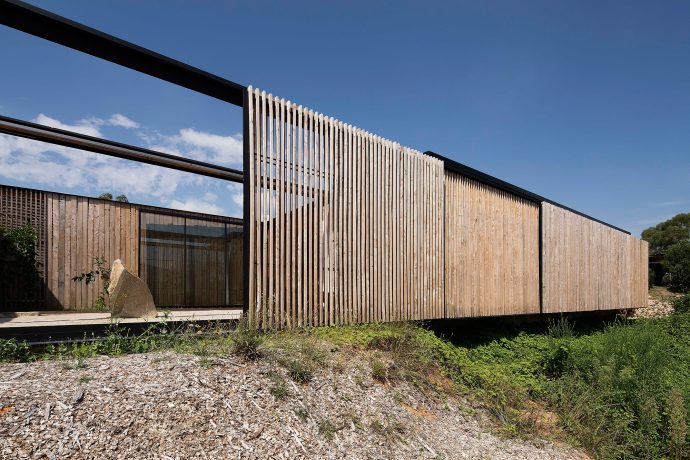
42	133
58	29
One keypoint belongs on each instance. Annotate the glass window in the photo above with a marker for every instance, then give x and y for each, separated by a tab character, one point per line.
162	257
191	262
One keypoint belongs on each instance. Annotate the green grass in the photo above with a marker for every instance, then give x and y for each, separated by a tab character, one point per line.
619	389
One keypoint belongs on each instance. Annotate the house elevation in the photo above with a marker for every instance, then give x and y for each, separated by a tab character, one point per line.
341	226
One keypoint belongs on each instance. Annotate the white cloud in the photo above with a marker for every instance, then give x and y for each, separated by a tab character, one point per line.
665	204
55	167
122	121
237	194
196	205
86	127
197	145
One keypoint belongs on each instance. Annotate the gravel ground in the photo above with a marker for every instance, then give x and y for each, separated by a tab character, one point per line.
656	308
172	406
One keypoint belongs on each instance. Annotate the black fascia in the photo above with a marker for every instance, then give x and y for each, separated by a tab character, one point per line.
44	24
464	170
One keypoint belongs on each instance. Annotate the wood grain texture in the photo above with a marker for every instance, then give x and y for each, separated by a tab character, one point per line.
589	266
338	213
491	251
79	230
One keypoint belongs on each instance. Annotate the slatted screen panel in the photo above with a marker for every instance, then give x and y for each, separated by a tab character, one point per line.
345	227
589	266
18	207
492	251
79	230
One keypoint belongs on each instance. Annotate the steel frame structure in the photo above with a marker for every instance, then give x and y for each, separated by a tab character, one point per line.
60	30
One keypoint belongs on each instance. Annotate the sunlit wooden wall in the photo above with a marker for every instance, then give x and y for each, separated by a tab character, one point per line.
345	227
79	230
590	266
492	250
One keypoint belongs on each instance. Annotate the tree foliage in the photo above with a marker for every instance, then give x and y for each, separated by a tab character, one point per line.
668	233
18	262
677	265
122	198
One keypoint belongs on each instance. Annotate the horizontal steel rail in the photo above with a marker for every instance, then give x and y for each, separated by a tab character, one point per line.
43	133
41	23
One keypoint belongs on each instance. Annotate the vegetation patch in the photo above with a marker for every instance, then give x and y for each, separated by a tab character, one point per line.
618	389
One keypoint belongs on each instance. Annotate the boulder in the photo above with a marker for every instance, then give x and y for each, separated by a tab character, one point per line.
130	297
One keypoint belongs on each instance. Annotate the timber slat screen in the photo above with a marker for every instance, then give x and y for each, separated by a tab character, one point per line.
492	250
20	207
345	227
589	266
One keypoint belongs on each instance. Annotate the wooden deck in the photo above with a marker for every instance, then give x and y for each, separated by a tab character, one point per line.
56	326
60	318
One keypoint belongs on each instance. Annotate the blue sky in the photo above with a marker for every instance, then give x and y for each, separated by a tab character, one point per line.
587	103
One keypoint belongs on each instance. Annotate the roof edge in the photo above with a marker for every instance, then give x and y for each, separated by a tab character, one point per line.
479	176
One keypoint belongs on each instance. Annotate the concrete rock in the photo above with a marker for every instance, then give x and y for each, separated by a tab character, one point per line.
130	297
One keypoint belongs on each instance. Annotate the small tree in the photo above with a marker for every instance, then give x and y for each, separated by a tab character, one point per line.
122	199
99	271
106	196
677	264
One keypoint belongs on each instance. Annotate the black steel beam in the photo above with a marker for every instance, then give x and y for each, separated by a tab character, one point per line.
58	29
43	133
464	170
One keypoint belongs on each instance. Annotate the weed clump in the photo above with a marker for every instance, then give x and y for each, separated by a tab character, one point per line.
247	341
379	370
328	429
300	371
279	387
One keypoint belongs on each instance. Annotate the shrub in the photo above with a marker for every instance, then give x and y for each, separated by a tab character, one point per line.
18	265
12	351
677	425
613	386
682	304
677	264
379	370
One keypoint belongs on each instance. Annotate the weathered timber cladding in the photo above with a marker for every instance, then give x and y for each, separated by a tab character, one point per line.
590	266
492	250
182	270
345	227
81	229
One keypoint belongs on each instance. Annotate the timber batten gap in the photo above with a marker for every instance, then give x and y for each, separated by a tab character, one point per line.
341	226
